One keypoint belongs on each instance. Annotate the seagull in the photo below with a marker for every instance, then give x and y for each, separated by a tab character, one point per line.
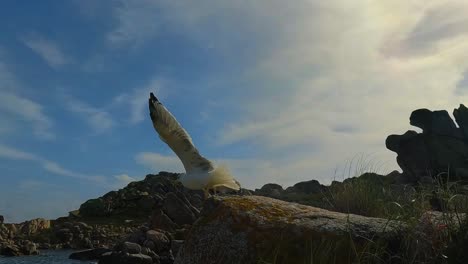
200	173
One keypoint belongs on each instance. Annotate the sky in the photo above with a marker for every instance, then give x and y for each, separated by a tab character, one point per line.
279	91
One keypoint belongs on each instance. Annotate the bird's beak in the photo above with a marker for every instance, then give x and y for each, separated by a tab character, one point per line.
152	101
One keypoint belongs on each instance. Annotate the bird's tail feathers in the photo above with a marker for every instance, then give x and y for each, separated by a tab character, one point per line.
221	176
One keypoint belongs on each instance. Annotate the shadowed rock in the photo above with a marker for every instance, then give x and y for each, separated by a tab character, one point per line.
440	148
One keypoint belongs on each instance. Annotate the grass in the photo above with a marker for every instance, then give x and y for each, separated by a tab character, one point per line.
438	238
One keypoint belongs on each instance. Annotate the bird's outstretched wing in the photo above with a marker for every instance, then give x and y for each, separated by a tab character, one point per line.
175	136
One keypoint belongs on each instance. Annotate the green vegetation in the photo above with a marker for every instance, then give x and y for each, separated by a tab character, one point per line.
430	237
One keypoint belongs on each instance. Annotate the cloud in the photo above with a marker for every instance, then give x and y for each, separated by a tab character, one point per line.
46	49
158	162
15	154
135	23
122	180
332	79
98	119
438	23
27	110
53	167
137	100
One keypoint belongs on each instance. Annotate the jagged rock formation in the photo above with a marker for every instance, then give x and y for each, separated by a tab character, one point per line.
159	200
440	148
138	199
251	229
14	237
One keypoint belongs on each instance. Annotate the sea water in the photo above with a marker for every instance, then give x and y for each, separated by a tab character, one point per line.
46	257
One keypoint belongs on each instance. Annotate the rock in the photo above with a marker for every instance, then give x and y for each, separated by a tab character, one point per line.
306	187
18	248
159	220
29	248
90	254
94	207
179	211
252	229
128	247
2	219
34	226
270	190
137	237
10	251
434	122
176	245
461	117
64	235
441	148
159	241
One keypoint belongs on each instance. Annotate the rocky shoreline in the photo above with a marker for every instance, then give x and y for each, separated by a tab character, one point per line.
157	220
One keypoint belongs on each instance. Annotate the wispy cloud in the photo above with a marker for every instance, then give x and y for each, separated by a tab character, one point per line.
53	167
47	49
98	119
24	109
136	22
158	162
122	180
137	100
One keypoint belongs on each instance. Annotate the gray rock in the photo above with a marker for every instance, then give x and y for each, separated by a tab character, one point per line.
128	247
160	241
159	220
178	210
306	187
270	190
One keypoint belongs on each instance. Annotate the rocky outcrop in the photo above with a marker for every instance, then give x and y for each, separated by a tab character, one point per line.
270	190
138	199
252	229
440	148
143	246
15	238
18	248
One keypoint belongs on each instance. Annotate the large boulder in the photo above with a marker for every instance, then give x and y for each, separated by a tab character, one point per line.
255	229
440	148
306	187
34	226
179	209
140	198
270	190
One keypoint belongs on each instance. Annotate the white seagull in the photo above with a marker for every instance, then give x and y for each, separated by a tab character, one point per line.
200	174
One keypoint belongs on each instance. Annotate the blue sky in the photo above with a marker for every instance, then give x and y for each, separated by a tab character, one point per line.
279	92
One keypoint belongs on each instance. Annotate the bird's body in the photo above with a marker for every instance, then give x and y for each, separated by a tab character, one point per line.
200	174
